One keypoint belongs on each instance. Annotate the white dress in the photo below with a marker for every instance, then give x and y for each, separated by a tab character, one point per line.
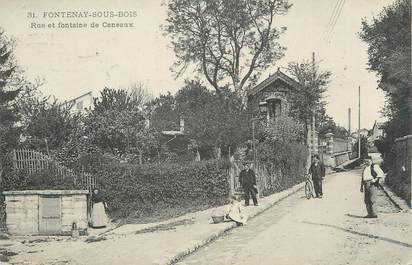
99	217
235	213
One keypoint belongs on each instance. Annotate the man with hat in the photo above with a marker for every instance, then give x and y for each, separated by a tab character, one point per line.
317	170
371	175
247	181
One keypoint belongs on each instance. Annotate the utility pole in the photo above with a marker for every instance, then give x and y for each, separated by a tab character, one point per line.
313	116
359	138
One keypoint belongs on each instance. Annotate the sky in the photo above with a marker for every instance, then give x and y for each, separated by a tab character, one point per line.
74	61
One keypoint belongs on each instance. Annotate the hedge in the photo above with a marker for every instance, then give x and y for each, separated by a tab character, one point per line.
285	164
140	190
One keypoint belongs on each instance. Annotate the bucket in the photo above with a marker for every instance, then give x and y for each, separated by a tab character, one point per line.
218	219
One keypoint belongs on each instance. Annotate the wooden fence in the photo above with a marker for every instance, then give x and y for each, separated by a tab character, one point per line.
31	161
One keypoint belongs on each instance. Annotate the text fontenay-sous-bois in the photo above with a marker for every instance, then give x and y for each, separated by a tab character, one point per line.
79	15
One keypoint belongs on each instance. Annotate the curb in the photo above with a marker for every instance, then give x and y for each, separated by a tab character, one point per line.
230	226
395	199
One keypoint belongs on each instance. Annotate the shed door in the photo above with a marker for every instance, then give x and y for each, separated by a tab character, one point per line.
50	214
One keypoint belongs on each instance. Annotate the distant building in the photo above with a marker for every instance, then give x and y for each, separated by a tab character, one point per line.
176	141
377	131
81	104
363	133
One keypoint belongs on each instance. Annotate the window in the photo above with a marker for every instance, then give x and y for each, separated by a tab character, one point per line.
275	108
79	105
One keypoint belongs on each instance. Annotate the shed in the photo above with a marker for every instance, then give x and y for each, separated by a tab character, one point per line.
46	212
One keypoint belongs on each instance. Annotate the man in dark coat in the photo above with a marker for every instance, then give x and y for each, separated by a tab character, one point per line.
317	170
247	180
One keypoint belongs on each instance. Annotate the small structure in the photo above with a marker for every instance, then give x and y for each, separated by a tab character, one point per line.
80	104
45	212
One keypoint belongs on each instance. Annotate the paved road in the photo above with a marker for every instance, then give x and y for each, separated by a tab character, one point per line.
317	231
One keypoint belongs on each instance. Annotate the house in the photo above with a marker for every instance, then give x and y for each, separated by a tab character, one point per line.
363	133
269	99
177	140
80	104
377	131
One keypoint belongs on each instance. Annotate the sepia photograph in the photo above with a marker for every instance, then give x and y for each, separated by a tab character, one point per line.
214	132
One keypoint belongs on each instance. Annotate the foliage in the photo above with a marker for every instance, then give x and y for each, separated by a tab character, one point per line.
139	190
307	102
47	126
134	98
163	116
285	129
282	151
329	125
118	124
211	121
21	180
389	40
364	147
9	90
225	40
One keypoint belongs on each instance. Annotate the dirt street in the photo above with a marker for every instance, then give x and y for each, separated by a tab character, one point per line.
298	231
330	230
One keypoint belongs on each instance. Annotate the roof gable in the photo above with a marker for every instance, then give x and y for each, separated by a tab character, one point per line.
272	79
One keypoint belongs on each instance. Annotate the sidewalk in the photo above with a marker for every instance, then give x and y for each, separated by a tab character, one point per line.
155	243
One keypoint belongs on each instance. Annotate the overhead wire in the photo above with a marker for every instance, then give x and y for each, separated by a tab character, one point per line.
336	18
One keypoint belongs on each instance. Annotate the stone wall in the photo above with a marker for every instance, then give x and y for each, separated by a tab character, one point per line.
336	150
22	214
74	210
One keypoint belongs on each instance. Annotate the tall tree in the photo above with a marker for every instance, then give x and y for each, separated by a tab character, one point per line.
47	125
389	39
211	122
9	90
118	124
308	101
228	41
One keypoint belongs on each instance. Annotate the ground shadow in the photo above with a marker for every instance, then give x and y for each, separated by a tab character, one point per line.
354	215
363	234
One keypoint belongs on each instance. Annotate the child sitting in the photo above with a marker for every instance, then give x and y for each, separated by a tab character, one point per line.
234	212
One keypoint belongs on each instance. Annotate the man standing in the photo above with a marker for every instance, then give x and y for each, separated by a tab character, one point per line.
247	180
317	170
370	181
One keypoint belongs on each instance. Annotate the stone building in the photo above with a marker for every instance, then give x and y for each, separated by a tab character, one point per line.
46	212
269	99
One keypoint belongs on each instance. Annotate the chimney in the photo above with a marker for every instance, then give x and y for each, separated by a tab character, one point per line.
349	118
182	124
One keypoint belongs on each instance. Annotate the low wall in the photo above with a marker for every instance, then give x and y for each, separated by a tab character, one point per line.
341	158
334	160
400	176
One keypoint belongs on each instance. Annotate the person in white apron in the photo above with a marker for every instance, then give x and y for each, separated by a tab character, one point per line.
98	216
